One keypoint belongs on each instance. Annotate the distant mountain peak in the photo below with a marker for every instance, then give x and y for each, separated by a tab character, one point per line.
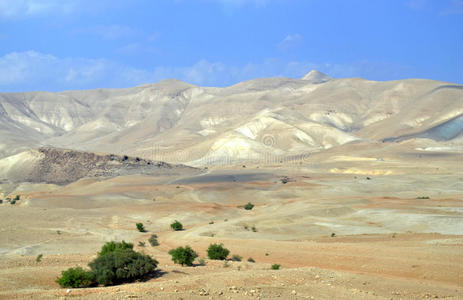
315	76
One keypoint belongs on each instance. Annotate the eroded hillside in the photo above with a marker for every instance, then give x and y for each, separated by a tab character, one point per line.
181	123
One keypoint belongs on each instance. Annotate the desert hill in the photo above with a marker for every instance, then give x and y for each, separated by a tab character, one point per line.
178	122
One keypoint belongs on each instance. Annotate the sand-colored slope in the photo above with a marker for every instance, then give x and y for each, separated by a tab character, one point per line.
278	115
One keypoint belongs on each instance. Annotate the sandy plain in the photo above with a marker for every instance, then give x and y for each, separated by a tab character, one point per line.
397	236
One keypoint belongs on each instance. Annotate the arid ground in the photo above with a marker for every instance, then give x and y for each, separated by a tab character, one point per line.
335	235
357	187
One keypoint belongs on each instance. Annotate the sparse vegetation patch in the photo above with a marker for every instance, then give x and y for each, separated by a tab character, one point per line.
116	263
153	240
177	226
236	257
183	255
141	227
249	206
76	278
217	251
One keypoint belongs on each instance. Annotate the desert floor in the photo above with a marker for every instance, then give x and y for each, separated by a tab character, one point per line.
396	236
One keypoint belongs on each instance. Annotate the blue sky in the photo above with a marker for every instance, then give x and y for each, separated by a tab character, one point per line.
56	45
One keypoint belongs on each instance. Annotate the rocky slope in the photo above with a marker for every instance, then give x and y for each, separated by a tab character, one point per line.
181	123
60	166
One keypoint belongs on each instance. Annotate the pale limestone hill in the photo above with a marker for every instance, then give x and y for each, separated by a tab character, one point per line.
178	122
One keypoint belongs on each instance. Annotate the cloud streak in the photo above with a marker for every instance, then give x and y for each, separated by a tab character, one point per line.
31	70
12	9
290	41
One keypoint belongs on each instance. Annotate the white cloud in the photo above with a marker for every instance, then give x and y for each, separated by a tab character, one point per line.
31	70
11	9
290	41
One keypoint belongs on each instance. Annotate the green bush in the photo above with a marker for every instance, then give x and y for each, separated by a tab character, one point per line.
141	244
183	255
236	257
76	278
39	258
176	226
110	247
153	240
276	267
13	202
116	263
216	251
249	206
122	265
251	260
17	198
140	227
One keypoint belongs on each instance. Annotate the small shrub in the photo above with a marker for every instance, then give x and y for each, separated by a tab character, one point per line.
153	240
76	278
17	198
226	264
39	258
140	227
58	232
216	251
249	206
251	260
266	254
276	267
246	227
177	226
423	197
183	255
116	263
254	229
141	244
236	257
110	247
333	234
211	222
13	202
1	201
121	266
